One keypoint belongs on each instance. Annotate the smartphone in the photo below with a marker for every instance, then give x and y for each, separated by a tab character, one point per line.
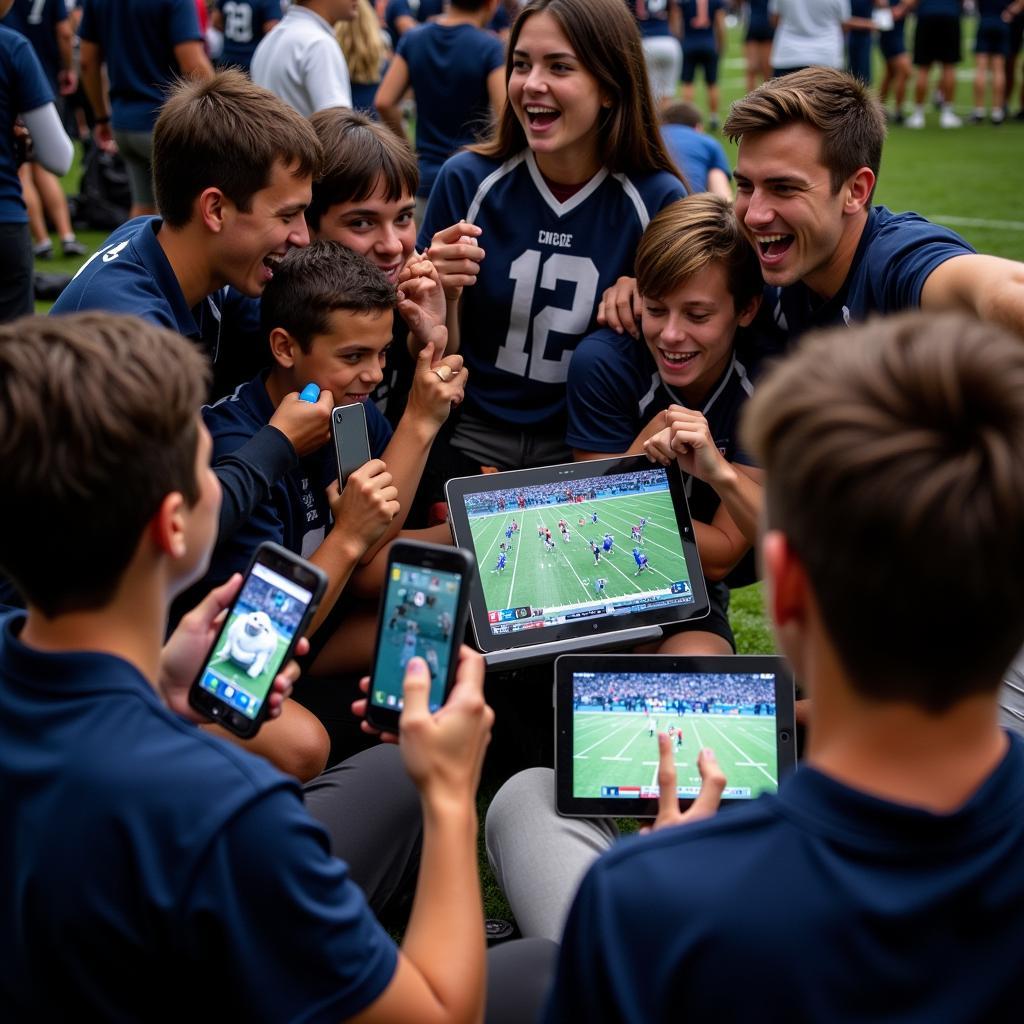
278	599
351	441
422	614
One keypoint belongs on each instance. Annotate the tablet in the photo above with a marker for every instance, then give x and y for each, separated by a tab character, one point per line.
609	710
575	551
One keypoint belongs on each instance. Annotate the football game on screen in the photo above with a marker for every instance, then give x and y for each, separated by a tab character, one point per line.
586	548
419	615
617	717
252	647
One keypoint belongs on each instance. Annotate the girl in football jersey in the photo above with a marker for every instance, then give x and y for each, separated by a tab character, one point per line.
560	194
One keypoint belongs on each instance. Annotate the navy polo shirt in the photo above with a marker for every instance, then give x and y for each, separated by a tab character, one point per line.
817	904
23	87
137	38
37	21
694	154
150	868
131	274
894	258
614	390
448	69
296	514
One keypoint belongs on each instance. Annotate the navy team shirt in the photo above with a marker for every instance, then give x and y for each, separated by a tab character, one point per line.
296	514
243	28
615	390
894	258
820	903
448	69
135	844
137	38
131	274
37	21
23	87
547	265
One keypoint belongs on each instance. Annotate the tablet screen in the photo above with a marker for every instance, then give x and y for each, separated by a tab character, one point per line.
610	718
589	550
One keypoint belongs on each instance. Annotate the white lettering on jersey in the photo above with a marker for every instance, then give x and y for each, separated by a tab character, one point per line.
109	252
512	356
562	240
112	254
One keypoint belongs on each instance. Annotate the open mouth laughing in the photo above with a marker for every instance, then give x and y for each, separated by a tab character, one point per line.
541	117
772	248
676	360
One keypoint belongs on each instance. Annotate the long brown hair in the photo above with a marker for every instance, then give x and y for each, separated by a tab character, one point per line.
604	37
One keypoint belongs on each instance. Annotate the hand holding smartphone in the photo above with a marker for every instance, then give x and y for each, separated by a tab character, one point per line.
423	614
278	599
351	440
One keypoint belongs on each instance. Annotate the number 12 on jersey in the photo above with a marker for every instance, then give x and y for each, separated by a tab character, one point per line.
577	270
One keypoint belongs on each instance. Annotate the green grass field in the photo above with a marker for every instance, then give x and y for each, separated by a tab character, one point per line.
617	748
567	575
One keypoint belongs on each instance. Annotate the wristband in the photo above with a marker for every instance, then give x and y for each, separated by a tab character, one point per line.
101	120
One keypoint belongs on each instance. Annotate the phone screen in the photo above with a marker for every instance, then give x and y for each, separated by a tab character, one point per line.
420	609
255	639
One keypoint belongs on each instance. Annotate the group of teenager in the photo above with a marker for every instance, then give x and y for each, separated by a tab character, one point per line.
567	295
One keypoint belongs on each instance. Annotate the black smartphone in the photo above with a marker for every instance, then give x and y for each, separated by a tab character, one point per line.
422	614
351	441
278	599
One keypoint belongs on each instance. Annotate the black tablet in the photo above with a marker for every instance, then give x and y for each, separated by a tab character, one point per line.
609	710
576	551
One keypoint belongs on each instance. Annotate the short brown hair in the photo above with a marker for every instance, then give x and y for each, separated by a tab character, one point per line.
840	106
99	419
312	282
894	465
225	133
358	153
689	235
682	113
605	38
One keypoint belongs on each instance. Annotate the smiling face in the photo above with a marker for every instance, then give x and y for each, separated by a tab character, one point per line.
690	331
348	359
381	230
557	100
785	202
251	242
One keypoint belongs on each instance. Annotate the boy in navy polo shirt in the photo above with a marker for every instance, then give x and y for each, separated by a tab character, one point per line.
328	314
134	841
233	172
680	396
703	43
886	878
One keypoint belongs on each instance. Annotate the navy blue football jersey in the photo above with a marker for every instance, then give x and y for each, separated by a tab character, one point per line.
896	254
547	264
